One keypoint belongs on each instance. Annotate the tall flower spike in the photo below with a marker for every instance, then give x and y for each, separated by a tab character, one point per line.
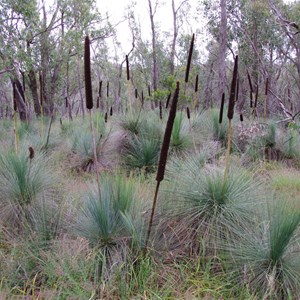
87	74
188	66
162	160
167	137
127	68
233	90
168	100
188	114
196	83
221	109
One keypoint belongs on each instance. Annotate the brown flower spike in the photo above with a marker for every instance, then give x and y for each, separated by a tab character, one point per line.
87	74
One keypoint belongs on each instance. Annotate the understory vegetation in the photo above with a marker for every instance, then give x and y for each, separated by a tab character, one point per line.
65	235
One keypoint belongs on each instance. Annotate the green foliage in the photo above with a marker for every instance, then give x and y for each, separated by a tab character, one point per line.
269	253
210	208
109	216
180	138
131	123
22	178
168	82
210	127
192	161
161	95
142	146
45	220
82	146
141	152
269	139
291	146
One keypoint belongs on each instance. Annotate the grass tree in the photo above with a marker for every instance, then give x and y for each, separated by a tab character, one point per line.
143	141
210	127
207	208
109	218
268	255
25	178
89	96
141	153
180	138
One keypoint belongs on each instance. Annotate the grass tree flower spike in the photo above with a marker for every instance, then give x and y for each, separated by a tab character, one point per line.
230	114
87	74
163	159
89	95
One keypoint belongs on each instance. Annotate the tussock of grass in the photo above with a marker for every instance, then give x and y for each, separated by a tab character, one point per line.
209	208
269	255
211	239
110	215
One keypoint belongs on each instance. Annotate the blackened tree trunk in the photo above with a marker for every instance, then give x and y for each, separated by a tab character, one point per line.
34	92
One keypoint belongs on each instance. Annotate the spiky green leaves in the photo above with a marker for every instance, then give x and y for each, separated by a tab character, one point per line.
87	74
23	177
208	207
269	253
109	213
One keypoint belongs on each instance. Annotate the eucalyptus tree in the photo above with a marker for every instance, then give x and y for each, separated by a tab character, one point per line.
152	12
180	14
38	39
251	29
287	18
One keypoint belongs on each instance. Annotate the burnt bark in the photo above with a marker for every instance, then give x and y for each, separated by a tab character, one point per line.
19	99
34	92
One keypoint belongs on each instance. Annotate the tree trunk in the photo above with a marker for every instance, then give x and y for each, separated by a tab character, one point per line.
19	99
80	88
34	92
222	50
155	76
208	92
255	64
175	34
68	93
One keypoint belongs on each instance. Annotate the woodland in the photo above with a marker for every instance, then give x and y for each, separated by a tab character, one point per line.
166	169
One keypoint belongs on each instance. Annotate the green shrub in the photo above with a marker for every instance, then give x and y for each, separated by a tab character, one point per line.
209	208
268	255
109	216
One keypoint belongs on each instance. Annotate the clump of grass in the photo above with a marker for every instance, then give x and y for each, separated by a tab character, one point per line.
269	139
180	138
25	179
286	182
208	208
131	124
142	145
269	254
187	162
109	216
290	143
82	146
211	128
141	152
22	178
